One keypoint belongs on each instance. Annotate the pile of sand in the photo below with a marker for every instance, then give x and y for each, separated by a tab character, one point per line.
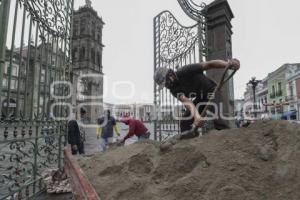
261	162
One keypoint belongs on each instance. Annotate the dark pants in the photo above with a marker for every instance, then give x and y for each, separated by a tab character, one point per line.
80	149
144	136
185	125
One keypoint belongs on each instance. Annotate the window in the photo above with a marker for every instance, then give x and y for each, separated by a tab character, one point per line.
13	84
93	31
41	100
82	26
82	54
6	68
98	59
279	92
23	71
4	82
53	62
273	89
14	70
74	54
99	38
22	86
272	95
75	28
279	86
291	89
93	55
43	72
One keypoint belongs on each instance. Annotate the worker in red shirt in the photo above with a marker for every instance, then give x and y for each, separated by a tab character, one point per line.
136	127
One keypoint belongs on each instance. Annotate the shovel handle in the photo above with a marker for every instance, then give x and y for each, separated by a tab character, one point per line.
219	86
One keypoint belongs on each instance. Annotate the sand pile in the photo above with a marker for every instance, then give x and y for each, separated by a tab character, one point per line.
261	162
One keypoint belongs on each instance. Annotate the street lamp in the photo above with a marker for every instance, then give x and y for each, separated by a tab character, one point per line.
254	83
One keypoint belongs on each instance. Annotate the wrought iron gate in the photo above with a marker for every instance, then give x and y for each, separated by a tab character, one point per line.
34	71
176	45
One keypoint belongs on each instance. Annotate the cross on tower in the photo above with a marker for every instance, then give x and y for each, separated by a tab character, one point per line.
88	3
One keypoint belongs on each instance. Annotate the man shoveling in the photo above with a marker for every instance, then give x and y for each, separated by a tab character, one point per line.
190	86
136	127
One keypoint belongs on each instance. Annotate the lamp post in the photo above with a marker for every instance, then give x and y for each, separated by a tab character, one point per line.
254	83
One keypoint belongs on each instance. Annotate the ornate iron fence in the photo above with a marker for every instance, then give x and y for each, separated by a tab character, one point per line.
34	69
176	45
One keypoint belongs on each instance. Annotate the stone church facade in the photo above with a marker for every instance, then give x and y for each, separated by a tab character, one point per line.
87	49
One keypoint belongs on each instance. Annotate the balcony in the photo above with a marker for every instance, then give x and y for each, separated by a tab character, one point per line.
290	98
272	96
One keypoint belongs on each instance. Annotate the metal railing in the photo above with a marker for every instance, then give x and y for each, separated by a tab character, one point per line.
35	63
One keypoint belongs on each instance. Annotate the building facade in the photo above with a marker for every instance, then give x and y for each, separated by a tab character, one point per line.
26	80
87	50
293	91
262	98
277	95
277	92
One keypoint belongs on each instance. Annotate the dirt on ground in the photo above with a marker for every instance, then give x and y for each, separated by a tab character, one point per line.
261	162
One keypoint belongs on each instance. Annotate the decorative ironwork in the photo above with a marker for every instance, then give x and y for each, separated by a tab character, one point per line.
175	39
26	150
176	45
31	139
192	9
51	14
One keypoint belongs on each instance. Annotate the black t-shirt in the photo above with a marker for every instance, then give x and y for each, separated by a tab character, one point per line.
192	83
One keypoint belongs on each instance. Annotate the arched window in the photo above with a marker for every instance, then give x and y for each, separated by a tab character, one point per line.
98	59
93	55
93	30
82	54
74	54
82	26
75	28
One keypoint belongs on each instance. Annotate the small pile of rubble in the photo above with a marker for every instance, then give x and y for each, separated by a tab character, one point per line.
56	181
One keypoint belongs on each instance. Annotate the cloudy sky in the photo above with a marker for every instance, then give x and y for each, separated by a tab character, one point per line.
266	35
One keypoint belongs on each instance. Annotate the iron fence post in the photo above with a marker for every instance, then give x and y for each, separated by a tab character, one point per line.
4	17
35	157
59	145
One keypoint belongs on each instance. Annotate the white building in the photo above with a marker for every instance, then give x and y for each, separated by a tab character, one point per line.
262	98
293	90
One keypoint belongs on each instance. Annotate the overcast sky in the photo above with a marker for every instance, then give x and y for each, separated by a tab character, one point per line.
266	35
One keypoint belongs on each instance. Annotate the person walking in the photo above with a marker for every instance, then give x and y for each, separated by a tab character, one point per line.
105	130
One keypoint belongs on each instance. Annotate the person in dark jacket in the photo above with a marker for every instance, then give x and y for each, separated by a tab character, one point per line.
105	131
136	127
74	137
192	87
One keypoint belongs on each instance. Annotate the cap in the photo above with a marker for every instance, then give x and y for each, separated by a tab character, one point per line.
160	77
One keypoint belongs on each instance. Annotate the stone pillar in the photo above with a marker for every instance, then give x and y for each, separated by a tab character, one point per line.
219	17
